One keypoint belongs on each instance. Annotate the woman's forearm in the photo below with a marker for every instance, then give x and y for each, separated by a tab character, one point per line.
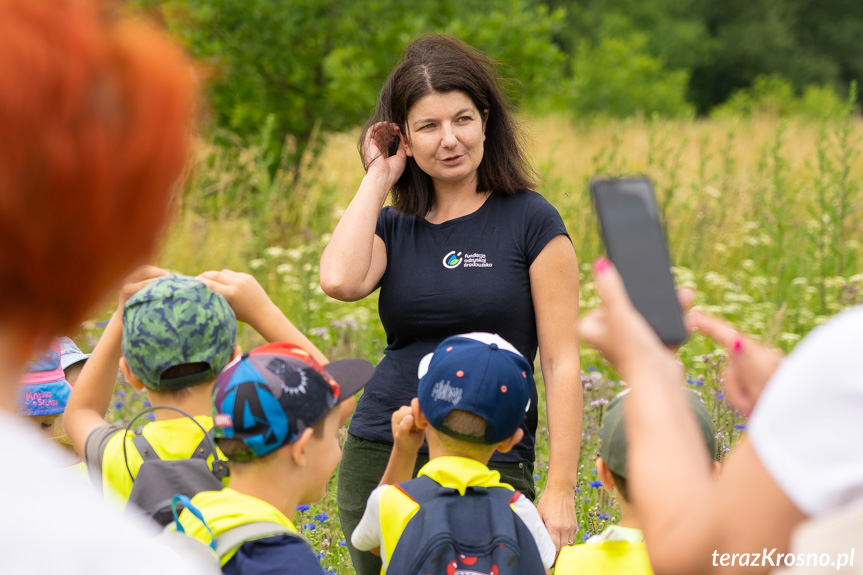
348	270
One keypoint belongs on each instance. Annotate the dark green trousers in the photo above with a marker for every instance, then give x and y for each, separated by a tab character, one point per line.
362	466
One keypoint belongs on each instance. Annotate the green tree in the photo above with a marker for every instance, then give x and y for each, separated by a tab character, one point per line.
314	66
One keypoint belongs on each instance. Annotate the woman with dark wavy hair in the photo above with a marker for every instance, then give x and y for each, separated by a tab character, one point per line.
465	246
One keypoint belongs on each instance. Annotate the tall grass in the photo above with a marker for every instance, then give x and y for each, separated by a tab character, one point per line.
762	217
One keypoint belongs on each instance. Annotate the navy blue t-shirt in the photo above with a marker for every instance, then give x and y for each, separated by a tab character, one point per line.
467	274
278	555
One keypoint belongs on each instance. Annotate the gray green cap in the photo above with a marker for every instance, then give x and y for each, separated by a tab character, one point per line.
613	447
177	320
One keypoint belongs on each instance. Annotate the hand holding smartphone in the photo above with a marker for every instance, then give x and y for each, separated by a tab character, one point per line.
634	241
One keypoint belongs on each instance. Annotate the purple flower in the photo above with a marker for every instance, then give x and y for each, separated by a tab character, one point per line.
310	526
343	543
321	517
739	427
537	477
596	483
303	507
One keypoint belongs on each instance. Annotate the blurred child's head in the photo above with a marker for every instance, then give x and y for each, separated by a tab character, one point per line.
44	393
177	333
613	450
474	390
72	359
277	396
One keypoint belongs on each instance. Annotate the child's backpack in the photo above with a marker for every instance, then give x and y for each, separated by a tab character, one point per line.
474	534
159	480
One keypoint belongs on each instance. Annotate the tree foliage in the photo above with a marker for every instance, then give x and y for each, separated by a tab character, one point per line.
314	66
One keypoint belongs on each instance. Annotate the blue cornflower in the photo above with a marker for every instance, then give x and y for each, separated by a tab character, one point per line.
320	555
303	507
321	517
120	393
596	483
119	404
151	416
586	536
310	526
537	477
720	395
739	427
146	403
343	543
591	368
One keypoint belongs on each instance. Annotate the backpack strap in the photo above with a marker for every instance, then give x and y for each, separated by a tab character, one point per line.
237	536
423	489
145	450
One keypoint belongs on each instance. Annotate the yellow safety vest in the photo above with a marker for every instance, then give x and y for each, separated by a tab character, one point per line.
172	439
223	510
604	558
397	509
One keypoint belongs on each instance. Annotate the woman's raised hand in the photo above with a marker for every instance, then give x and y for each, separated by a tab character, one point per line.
379	139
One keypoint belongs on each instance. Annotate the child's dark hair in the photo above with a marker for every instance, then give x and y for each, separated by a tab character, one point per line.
439	64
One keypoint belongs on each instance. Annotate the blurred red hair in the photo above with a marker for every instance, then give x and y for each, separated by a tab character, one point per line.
95	125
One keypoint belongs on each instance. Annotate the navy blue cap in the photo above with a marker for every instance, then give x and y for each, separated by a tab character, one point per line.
480	373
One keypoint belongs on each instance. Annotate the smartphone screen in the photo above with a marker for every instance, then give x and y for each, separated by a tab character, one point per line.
634	242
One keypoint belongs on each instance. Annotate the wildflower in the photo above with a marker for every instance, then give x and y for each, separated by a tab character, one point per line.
343	543
537	477
310	526
304	507
121	393
151	416
739	427
119	404
320	555
146	403
600	401
586	536
720	395
596	483
591	368
274	251
257	263
102	323
321	517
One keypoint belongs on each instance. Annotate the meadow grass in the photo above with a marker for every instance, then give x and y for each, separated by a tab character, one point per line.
762	218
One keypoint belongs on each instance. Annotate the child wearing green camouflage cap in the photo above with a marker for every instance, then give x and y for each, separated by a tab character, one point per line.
171	336
620	548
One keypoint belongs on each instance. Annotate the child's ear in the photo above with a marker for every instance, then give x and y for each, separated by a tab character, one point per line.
299	448
419	417
130	377
508	444
604	473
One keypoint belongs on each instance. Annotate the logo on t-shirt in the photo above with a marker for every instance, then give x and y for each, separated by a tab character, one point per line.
472	260
452	260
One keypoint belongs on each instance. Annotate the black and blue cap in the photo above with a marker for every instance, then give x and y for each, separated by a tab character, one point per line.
267	397
480	373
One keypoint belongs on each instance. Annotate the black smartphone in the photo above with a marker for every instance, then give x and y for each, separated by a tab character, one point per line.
635	243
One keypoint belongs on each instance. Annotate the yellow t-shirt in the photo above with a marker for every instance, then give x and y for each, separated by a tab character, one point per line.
616	551
171	439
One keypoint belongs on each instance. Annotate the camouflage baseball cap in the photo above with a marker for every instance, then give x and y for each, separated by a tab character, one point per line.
176	320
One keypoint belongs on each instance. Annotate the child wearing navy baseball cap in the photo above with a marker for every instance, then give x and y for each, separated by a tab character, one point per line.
276	414
472	396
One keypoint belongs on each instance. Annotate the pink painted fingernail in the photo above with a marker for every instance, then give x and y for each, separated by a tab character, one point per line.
600	265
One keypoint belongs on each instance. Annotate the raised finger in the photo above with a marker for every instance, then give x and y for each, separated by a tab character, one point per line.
716	329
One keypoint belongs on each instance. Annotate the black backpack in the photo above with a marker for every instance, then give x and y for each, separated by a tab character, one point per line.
474	534
159	480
